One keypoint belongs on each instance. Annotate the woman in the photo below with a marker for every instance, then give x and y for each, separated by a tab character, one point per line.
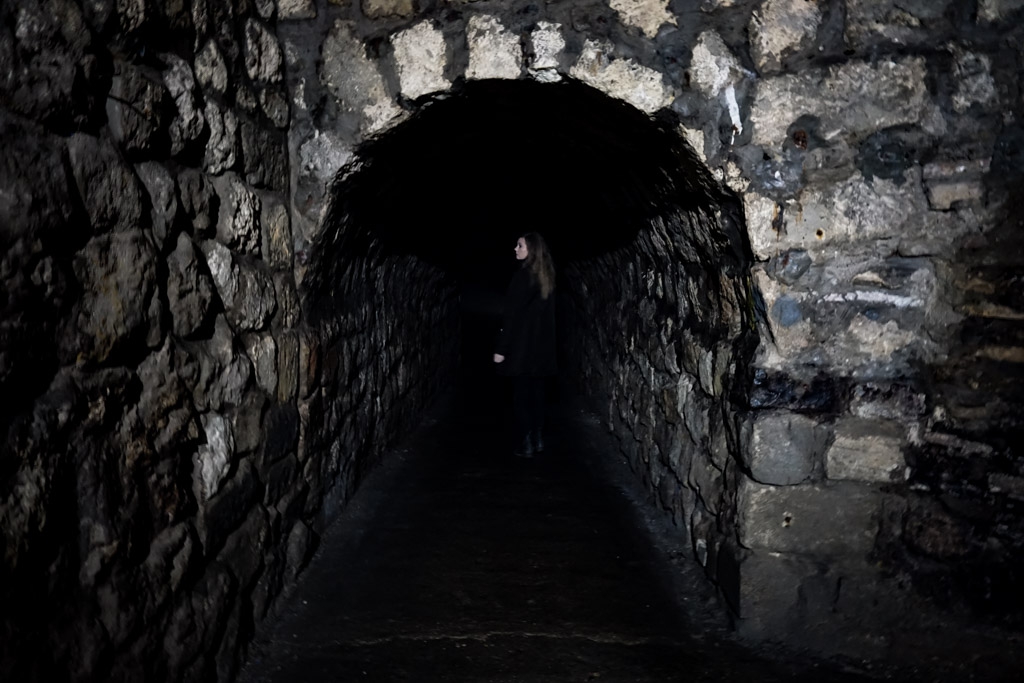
526	345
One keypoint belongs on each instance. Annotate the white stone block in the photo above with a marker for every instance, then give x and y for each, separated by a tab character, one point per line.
622	79
420	56
355	79
548	44
862	97
494	51
761	213
646	15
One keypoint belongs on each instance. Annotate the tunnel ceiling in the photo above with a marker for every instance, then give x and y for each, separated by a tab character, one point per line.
475	167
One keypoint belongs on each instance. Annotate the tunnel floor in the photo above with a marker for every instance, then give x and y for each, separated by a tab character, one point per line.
457	561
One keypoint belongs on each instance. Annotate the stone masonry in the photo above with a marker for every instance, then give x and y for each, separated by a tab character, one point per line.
810	352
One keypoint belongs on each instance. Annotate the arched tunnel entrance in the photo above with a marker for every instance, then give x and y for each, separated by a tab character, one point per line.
656	313
655	325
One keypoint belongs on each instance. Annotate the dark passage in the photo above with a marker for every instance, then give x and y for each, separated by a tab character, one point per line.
458	562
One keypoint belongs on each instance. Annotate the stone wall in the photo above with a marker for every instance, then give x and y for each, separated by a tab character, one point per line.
874	148
176	434
168	384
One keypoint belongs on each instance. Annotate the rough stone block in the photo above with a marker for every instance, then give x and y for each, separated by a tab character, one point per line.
135	110
494	51
833	520
189	122
109	188
548	45
948	183
622	79
854	210
222	149
262	351
863	97
118	273
779	28
420	56
356	80
264	61
238	223
247	292
761	214
782	448
189	288
213	459
866	450
646	15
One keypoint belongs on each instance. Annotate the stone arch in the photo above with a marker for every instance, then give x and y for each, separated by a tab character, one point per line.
658	253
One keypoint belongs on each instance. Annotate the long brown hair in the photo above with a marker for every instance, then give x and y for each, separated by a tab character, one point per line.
538	262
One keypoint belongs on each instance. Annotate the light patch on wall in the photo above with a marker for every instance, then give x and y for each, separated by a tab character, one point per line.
622	79
646	15
547	43
420	56
494	52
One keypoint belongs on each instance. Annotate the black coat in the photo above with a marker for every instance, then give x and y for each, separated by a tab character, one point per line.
527	338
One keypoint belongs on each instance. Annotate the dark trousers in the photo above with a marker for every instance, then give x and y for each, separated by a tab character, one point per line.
527	406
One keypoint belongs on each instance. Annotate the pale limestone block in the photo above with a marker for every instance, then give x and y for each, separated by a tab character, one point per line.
420	59
622	79
837	520
494	51
853	209
695	139
355	79
862	97
780	27
323	155
646	15
761	214
866	450
713	66
548	44
942	195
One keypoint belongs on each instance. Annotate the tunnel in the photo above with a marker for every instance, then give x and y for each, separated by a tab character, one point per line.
254	257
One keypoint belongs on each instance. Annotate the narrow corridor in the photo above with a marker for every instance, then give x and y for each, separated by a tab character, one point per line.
457	561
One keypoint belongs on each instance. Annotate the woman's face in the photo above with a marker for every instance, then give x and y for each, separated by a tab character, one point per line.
521	251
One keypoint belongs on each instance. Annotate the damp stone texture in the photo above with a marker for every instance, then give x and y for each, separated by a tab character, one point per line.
819	380
176	435
868	152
